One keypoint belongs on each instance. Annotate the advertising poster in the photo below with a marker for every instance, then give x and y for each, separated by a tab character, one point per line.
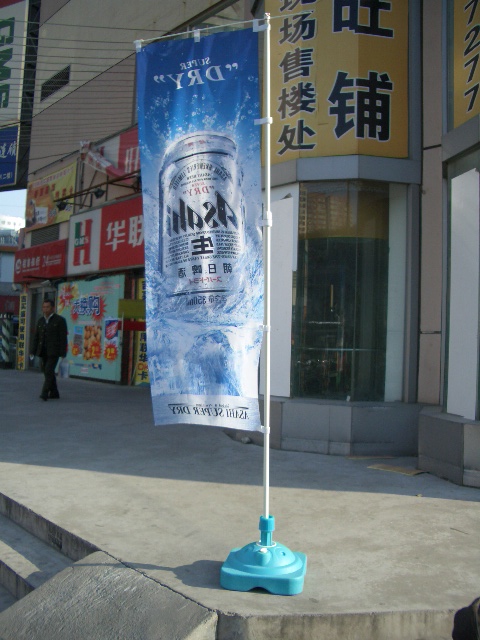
200	157
43	193
91	312
339	78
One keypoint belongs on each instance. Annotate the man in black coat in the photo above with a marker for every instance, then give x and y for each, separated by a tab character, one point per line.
50	344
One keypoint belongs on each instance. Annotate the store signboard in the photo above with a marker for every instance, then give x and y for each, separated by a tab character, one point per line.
8	155
466	71
121	241
43	195
84	243
13	29
45	261
91	312
339	78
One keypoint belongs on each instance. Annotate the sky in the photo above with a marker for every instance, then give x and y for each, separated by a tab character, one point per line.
12	203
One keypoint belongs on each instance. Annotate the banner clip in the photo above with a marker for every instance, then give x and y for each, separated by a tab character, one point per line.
138	45
266	221
266	328
196	35
264	429
259	27
267	120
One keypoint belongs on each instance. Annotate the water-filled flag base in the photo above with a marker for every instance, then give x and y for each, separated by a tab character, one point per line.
265	564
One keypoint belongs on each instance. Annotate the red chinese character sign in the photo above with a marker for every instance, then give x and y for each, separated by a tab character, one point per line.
121	241
339	78
200	154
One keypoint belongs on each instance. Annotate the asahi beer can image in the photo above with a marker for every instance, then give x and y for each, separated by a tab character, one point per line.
202	210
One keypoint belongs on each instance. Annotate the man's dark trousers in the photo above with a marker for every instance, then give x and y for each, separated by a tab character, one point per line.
49	388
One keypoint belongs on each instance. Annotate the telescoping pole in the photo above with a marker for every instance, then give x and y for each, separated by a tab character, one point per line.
265	564
267	225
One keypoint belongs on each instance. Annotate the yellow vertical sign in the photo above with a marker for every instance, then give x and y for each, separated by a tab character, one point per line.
141	364
466	53
22	334
339	78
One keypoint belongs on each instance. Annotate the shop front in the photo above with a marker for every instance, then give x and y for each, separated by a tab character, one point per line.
105	268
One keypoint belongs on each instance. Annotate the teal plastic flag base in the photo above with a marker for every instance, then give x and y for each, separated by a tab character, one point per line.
265	565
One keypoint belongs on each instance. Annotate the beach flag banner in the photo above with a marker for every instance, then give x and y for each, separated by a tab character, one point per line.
207	264
198	99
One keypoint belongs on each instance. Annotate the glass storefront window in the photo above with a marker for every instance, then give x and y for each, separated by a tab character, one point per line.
341	294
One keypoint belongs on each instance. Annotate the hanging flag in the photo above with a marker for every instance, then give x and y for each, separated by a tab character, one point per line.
200	161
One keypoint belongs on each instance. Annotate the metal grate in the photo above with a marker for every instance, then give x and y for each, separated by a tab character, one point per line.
56	82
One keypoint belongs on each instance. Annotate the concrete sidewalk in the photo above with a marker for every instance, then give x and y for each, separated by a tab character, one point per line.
390	555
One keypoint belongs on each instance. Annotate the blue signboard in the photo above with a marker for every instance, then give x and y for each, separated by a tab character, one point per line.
8	155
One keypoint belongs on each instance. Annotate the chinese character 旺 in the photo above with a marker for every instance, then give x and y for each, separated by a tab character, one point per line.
289	5
297	27
292	138
227	267
296	63
135	231
196	268
346	16
202	246
373	106
182	272
342	109
115	233
301	97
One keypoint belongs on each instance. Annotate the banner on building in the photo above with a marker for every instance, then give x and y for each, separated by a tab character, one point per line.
46	260
339	78
200	155
43	195
116	157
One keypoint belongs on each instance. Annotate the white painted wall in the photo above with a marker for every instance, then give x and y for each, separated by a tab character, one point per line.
464	296
284	237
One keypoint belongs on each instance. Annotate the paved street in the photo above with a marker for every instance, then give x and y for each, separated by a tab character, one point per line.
170	503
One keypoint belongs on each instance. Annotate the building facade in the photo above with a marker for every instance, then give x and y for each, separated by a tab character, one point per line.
375	205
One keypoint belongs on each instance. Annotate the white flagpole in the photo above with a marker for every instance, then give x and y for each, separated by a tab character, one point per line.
265	564
267	225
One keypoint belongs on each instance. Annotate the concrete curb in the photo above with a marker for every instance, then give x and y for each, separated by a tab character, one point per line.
99	598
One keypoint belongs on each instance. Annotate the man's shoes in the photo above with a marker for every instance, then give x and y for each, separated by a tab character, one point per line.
43	396
54	396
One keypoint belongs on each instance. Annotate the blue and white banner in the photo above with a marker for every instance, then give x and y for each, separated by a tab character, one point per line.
201	183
